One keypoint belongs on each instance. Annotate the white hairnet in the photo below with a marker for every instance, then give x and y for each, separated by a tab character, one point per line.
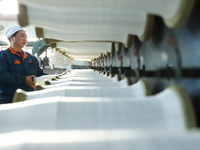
12	29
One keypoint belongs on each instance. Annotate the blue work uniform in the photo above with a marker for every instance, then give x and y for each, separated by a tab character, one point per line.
13	72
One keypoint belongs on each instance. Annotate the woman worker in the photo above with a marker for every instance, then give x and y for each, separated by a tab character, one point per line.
17	68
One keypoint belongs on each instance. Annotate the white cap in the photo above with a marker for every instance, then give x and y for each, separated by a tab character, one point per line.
12	29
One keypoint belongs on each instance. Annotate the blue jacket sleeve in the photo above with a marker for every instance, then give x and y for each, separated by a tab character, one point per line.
7	77
40	72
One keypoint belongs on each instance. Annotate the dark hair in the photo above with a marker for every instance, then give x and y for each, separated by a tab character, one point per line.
13	35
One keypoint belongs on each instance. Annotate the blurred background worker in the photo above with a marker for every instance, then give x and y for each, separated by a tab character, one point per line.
17	68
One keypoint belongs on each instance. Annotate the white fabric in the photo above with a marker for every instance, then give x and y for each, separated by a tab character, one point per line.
165	8
80	36
162	111
123	139
89	23
12	29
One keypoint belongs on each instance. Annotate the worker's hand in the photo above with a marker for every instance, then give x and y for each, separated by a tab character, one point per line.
29	81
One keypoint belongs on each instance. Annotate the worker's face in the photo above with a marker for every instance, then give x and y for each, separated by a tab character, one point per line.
20	39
